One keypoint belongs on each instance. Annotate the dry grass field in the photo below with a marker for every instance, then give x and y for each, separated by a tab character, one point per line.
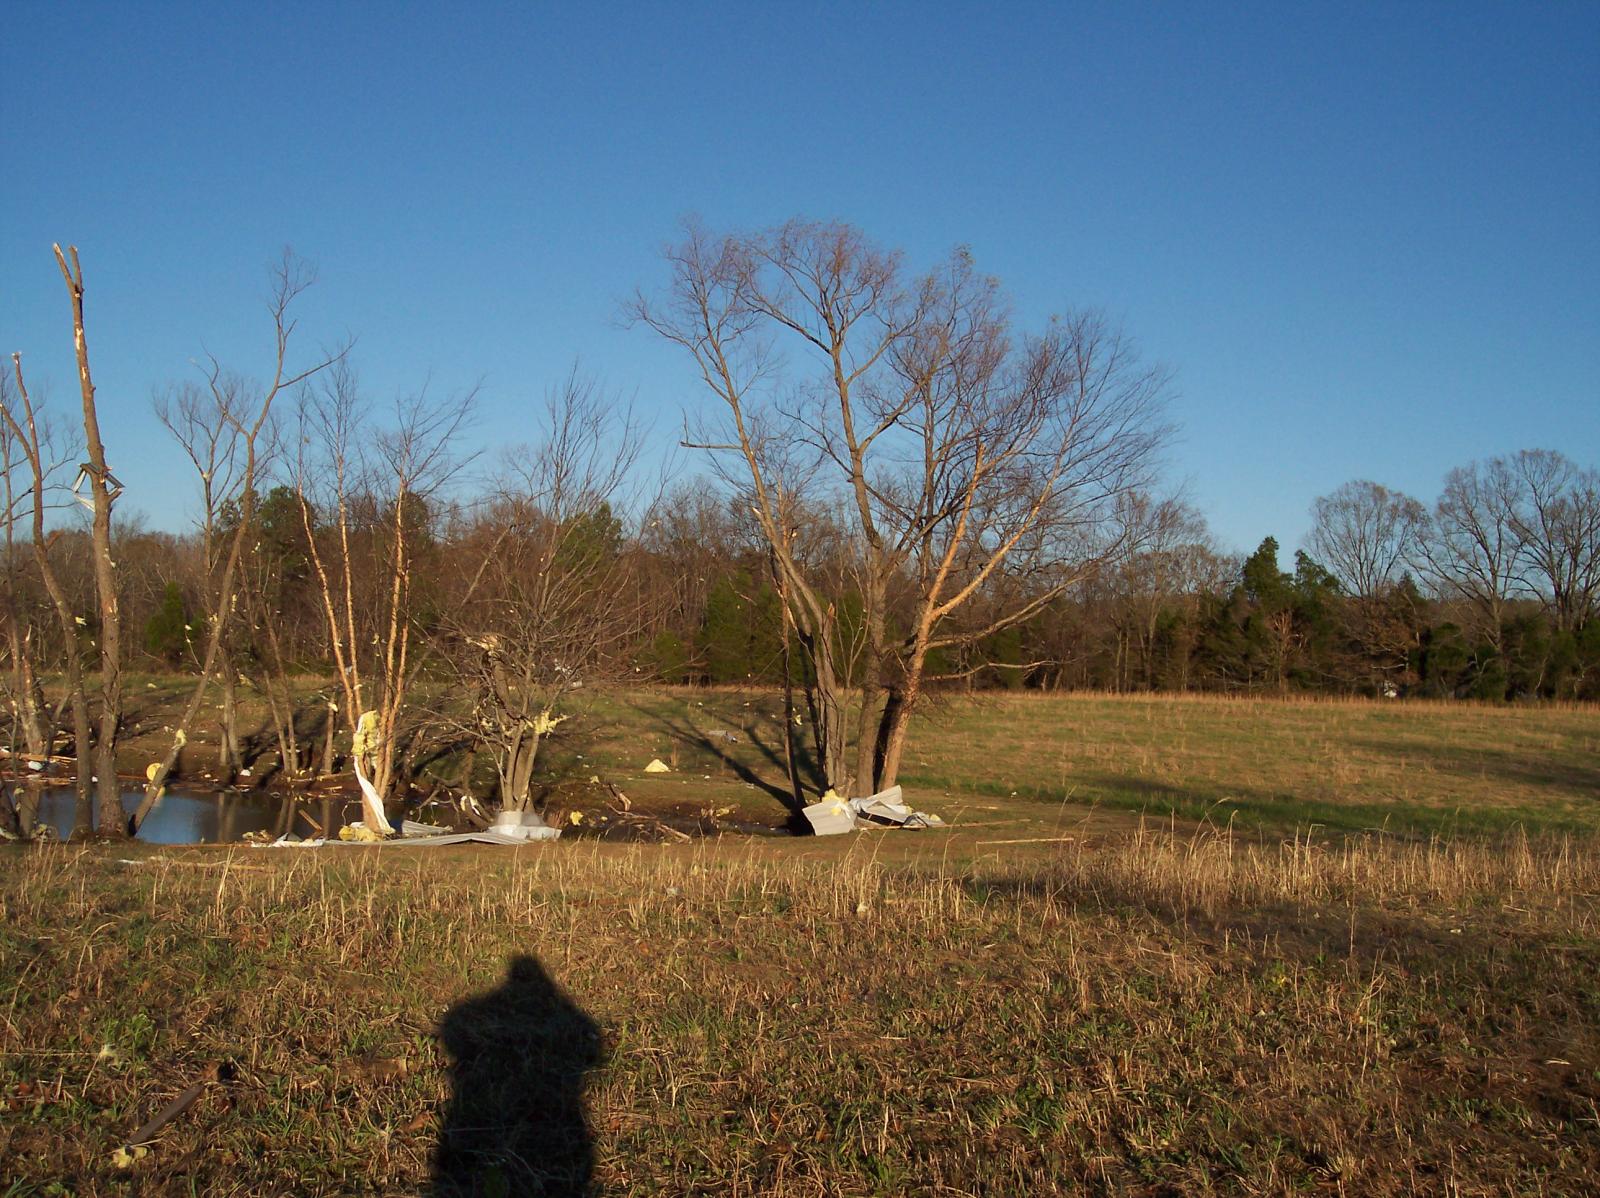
1150	1014
1058	995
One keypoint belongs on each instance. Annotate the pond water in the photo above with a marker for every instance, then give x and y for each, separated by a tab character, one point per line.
193	818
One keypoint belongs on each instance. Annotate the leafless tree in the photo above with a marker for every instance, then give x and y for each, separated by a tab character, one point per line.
373	487
1366	534
553	603
221	433
962	454
1168	557
1557	521
30	719
33	440
1470	549
103	491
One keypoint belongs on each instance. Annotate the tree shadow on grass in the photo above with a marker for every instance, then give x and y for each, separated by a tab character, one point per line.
687	732
516	1123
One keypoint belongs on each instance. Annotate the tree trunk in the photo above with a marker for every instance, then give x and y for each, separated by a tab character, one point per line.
105	571
516	776
828	713
229	760
30	711
328	729
791	760
896	720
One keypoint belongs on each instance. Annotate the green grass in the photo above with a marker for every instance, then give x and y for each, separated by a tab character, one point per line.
1151	1014
1040	762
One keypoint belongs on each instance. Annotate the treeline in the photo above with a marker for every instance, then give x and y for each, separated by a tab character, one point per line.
1489	594
1173	613
922	496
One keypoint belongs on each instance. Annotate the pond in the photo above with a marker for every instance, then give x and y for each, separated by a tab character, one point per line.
194	818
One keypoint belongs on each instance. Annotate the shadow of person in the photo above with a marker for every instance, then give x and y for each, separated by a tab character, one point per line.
515	1123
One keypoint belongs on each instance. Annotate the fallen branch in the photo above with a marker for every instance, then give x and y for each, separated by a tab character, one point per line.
221	1071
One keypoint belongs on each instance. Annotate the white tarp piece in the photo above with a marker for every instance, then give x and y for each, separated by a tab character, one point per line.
657	766
831	815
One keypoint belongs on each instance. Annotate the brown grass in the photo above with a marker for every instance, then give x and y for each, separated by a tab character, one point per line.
1154	1014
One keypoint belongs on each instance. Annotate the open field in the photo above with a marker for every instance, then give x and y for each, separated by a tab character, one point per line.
1146	959
1142	1015
1041	764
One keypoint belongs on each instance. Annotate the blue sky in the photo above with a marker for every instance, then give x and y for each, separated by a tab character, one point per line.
1366	240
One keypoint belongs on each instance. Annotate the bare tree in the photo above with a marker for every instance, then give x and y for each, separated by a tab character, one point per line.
554	603
103	491
222	438
1366	534
1168	556
1470	549
34	446
374	487
1557	520
30	720
959	455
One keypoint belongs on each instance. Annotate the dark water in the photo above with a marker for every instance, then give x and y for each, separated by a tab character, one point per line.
192	818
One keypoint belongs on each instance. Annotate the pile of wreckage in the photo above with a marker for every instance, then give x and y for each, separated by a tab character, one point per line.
832	815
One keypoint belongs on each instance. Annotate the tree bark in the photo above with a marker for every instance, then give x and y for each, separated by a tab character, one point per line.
109	792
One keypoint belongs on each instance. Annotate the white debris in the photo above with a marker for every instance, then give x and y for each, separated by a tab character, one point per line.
657	766
523	825
832	815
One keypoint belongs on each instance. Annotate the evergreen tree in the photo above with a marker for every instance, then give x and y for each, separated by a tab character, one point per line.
167	633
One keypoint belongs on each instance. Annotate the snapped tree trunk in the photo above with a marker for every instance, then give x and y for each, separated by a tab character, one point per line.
105	572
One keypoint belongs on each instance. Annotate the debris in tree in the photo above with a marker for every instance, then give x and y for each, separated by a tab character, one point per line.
368	740
657	766
472	811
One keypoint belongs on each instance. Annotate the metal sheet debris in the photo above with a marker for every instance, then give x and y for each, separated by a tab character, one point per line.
831	815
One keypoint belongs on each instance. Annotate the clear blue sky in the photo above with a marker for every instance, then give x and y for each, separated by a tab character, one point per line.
1366	240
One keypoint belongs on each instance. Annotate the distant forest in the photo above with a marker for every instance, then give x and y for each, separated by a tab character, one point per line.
1489	594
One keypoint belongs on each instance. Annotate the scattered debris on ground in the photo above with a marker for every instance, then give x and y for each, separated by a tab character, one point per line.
832	815
520	828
